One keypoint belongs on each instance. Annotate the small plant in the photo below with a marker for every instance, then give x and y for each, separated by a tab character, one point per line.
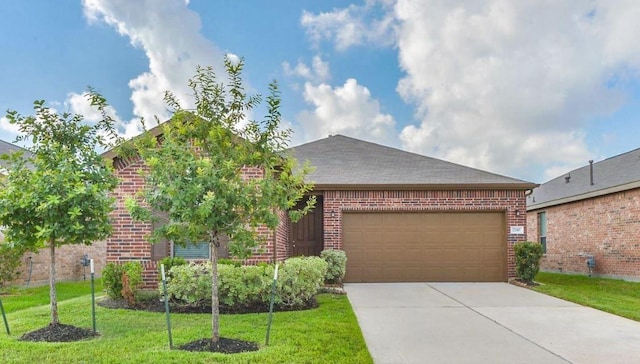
131	280
528	255
122	280
336	265
112	280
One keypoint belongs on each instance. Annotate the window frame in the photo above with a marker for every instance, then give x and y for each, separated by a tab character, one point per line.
174	247
543	223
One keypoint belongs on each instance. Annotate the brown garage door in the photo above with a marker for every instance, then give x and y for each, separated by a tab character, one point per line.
423	247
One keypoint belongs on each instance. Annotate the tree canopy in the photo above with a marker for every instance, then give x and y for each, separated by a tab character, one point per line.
59	194
198	185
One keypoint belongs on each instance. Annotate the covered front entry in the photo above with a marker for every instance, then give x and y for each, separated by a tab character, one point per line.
306	237
425	246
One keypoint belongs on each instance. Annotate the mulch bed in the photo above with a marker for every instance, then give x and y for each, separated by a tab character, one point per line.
522	283
224	345
59	333
156	305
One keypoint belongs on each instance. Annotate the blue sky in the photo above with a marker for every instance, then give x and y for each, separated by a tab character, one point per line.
527	89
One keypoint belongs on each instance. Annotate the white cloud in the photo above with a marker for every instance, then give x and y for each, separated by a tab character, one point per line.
352	25
8	128
348	110
503	85
318	72
169	34
499	85
79	104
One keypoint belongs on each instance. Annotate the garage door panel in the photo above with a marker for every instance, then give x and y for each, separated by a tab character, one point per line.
396	247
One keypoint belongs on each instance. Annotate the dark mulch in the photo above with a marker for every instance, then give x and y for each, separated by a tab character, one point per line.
522	283
224	345
59	333
156	305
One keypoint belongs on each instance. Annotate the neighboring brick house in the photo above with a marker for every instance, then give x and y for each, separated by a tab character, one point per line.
35	266
591	211
399	216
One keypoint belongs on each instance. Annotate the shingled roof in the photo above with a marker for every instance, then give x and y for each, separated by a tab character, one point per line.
344	162
611	175
8	148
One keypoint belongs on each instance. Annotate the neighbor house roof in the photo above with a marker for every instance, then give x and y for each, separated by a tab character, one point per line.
8	148
342	162
615	174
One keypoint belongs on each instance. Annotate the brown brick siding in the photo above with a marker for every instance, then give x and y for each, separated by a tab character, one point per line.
606	226
129	240
510	201
68	267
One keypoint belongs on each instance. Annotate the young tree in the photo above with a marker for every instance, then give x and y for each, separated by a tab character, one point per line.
60	194
195	176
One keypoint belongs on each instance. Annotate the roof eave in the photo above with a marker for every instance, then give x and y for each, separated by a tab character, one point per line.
409	187
584	196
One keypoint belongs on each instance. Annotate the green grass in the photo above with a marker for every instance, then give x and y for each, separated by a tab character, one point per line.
618	297
18	298
328	334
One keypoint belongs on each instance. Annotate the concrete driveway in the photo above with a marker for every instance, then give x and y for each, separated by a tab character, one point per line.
486	323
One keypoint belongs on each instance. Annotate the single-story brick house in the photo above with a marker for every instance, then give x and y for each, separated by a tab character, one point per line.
591	211
35	266
399	216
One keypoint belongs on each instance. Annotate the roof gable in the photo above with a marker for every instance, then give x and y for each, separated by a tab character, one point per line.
618	173
345	161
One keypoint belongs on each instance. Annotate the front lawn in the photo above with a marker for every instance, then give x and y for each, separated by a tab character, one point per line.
18	298
328	334
618	297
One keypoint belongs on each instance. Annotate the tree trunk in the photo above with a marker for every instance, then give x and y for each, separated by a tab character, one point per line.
52	285
215	309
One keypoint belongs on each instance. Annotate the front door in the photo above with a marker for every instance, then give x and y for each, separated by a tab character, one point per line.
306	235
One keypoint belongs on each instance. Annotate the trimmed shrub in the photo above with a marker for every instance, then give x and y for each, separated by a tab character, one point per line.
190	284
299	280
169	262
336	265
528	255
244	286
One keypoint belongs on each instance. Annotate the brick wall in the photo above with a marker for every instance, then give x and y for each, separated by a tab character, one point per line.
510	201
68	267
129	241
606	226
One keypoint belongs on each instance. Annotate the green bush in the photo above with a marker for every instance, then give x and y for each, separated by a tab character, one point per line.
247	286
244	286
169	262
190	284
528	255
336	265
299	280
10	260
131	280
122	280
112	280
227	261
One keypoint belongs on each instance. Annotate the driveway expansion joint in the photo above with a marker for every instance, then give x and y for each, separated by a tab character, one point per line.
497	323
